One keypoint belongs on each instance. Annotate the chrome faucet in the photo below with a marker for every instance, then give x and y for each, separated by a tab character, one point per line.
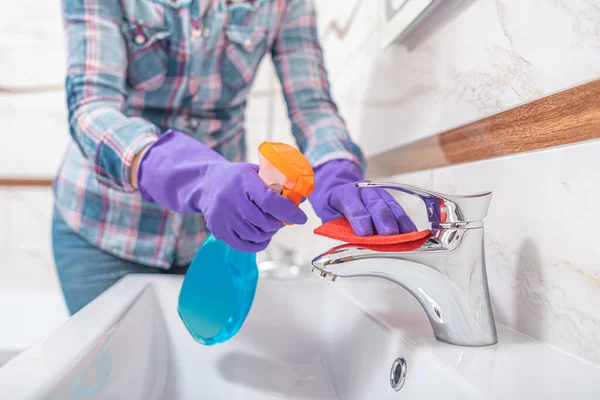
446	273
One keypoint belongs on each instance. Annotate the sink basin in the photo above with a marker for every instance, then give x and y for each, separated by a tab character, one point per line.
304	339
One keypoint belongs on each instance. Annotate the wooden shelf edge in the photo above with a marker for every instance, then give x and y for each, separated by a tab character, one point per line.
566	117
25	182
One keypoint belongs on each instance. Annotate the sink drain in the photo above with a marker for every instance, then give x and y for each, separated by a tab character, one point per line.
398	374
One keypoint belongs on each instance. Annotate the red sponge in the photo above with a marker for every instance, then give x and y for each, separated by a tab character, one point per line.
341	230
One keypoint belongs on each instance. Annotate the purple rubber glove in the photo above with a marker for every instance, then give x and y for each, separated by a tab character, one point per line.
336	195
183	175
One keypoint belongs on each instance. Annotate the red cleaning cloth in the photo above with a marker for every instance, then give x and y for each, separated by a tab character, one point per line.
340	229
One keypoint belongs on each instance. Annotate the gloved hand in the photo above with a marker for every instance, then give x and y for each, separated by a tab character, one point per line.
335	195
183	175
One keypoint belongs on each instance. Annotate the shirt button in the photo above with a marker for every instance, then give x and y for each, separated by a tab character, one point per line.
193	123
247	44
196	33
139	38
206	32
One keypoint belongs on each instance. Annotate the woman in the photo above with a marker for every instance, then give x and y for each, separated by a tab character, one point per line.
156	93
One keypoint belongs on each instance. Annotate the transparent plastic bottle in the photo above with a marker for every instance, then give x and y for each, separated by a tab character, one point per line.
218	291
219	286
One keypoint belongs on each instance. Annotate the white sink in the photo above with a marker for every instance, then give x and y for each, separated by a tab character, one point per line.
304	339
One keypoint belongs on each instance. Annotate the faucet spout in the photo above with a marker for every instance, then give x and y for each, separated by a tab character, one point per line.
447	275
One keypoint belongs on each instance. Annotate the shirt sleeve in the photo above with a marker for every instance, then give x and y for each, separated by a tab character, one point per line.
316	124
96	92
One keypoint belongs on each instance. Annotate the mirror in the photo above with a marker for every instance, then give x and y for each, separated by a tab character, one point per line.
400	16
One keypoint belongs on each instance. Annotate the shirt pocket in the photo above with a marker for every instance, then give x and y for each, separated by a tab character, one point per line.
147	51
244	49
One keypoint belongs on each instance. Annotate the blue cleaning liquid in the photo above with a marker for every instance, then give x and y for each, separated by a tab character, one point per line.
217	291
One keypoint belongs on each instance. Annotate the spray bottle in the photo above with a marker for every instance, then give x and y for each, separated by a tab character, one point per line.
219	286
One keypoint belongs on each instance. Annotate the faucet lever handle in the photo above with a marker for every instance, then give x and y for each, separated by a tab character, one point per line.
443	208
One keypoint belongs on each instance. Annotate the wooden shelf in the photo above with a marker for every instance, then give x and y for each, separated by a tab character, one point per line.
25	182
566	117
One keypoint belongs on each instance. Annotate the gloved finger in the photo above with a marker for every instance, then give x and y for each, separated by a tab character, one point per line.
250	233
236	242
348	202
259	219
274	204
405	223
383	217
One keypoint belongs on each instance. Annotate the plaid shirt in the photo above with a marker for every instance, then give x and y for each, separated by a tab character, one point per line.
139	67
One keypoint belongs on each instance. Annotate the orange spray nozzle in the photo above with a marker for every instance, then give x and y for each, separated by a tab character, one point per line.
284	165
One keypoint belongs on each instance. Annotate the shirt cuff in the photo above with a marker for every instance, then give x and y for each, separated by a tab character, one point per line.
112	167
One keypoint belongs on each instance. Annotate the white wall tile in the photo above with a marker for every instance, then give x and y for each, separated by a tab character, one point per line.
34	134
4	223
282	132
258	110
25	253
255	135
280	115
32	45
344	27
470	60
263	81
543	268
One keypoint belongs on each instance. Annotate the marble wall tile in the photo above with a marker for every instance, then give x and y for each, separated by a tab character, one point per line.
282	132
469	60
25	251
263	82
258	110
256	133
32	45
34	136
344	27
543	268
4	221
37	133
280	115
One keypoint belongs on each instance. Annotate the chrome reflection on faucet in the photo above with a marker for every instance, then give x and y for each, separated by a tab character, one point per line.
446	274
